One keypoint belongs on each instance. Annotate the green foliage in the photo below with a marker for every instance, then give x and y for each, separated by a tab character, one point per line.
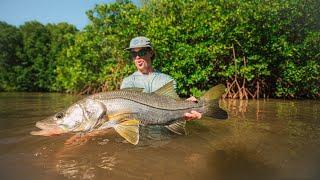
300	75
95	61
61	37
271	44
29	54
32	69
184	43
208	42
10	43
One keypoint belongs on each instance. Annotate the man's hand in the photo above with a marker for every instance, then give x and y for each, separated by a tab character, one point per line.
193	114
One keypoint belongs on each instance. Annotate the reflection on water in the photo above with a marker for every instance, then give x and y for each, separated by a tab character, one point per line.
82	168
263	139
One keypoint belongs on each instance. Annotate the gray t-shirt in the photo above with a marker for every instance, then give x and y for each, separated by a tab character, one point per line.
149	83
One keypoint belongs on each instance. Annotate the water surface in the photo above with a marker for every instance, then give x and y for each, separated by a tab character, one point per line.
263	139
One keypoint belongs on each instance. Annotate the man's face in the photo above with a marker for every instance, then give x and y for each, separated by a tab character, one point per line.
142	59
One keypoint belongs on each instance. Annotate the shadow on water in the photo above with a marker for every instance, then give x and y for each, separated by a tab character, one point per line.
265	139
239	164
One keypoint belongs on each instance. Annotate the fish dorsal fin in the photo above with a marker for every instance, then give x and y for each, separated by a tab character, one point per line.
132	89
129	130
168	90
178	127
214	93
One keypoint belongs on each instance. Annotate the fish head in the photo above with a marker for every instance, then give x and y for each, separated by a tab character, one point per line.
81	116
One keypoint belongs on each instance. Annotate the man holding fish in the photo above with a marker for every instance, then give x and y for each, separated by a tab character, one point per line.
146	78
147	97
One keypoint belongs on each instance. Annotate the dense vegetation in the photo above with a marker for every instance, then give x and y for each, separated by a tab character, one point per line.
257	48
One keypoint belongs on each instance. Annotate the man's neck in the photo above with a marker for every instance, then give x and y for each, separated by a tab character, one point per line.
147	71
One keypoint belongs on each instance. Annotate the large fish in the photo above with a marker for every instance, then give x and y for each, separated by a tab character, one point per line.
125	110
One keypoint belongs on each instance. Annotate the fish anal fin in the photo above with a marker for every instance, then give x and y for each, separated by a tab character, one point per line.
168	90
129	130
178	127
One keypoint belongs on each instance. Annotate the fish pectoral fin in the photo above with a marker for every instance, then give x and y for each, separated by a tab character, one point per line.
178	127
129	130
119	116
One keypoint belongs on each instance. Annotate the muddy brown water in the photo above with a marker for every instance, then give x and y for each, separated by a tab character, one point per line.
262	139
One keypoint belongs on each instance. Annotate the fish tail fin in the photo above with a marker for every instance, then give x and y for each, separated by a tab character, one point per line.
129	130
214	111
211	98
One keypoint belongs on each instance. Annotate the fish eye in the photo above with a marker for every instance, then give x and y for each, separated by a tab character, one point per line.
59	115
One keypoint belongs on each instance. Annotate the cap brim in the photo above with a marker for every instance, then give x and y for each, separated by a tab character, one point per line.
129	48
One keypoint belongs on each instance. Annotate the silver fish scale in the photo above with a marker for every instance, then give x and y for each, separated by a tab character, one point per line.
149	99
148	108
146	114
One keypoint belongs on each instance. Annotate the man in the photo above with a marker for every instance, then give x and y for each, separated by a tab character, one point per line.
146	77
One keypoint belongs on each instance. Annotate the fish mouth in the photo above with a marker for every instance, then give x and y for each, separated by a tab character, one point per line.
47	128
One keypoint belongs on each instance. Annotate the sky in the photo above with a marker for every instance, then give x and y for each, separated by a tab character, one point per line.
17	12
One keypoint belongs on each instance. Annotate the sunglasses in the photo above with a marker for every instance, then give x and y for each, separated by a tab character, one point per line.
140	53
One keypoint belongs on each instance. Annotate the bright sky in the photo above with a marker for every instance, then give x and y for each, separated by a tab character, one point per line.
16	12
